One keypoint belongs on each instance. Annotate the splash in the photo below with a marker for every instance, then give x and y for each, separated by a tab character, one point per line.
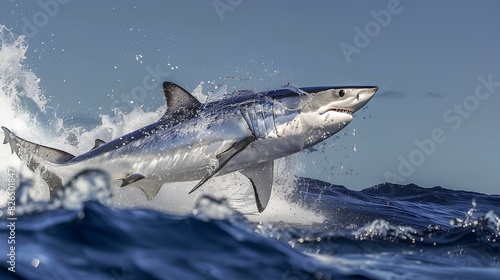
89	185
26	110
22	98
16	81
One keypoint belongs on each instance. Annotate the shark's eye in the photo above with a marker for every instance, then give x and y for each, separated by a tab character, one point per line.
341	93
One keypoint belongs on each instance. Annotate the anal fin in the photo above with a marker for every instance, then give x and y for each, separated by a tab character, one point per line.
261	177
224	158
150	190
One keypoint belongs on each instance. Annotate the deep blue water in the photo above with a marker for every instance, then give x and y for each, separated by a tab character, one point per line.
384	232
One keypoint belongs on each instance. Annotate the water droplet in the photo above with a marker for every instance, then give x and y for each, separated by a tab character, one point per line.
81	215
35	262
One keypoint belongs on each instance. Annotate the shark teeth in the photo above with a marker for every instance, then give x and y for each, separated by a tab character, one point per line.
345	111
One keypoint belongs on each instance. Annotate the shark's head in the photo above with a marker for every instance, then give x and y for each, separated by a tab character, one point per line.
326	102
323	111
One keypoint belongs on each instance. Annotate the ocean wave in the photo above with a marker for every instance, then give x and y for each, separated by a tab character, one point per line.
87	237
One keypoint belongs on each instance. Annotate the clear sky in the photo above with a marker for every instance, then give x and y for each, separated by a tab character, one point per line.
435	120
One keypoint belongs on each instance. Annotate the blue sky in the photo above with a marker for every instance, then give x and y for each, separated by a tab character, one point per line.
428	60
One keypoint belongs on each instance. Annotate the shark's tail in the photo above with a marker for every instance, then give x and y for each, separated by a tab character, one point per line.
36	156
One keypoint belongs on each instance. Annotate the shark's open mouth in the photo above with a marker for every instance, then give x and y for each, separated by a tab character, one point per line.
345	111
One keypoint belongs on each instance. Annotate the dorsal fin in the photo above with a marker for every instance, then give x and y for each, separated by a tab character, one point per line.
177	97
98	143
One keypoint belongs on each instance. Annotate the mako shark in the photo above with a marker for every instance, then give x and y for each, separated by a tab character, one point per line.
245	131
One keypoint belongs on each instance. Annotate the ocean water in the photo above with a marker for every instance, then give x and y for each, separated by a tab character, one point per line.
384	232
310	230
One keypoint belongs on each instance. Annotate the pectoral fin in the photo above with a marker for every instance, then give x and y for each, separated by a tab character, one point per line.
261	178
224	158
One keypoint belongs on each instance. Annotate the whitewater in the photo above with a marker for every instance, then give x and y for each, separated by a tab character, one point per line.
310	229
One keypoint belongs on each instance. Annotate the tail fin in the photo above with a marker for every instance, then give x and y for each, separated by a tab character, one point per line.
35	156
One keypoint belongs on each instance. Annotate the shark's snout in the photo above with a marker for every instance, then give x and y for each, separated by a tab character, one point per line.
363	96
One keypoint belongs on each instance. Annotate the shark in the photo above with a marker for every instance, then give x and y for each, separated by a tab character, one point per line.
245	132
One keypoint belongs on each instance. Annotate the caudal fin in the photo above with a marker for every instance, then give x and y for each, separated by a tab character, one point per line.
35	156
